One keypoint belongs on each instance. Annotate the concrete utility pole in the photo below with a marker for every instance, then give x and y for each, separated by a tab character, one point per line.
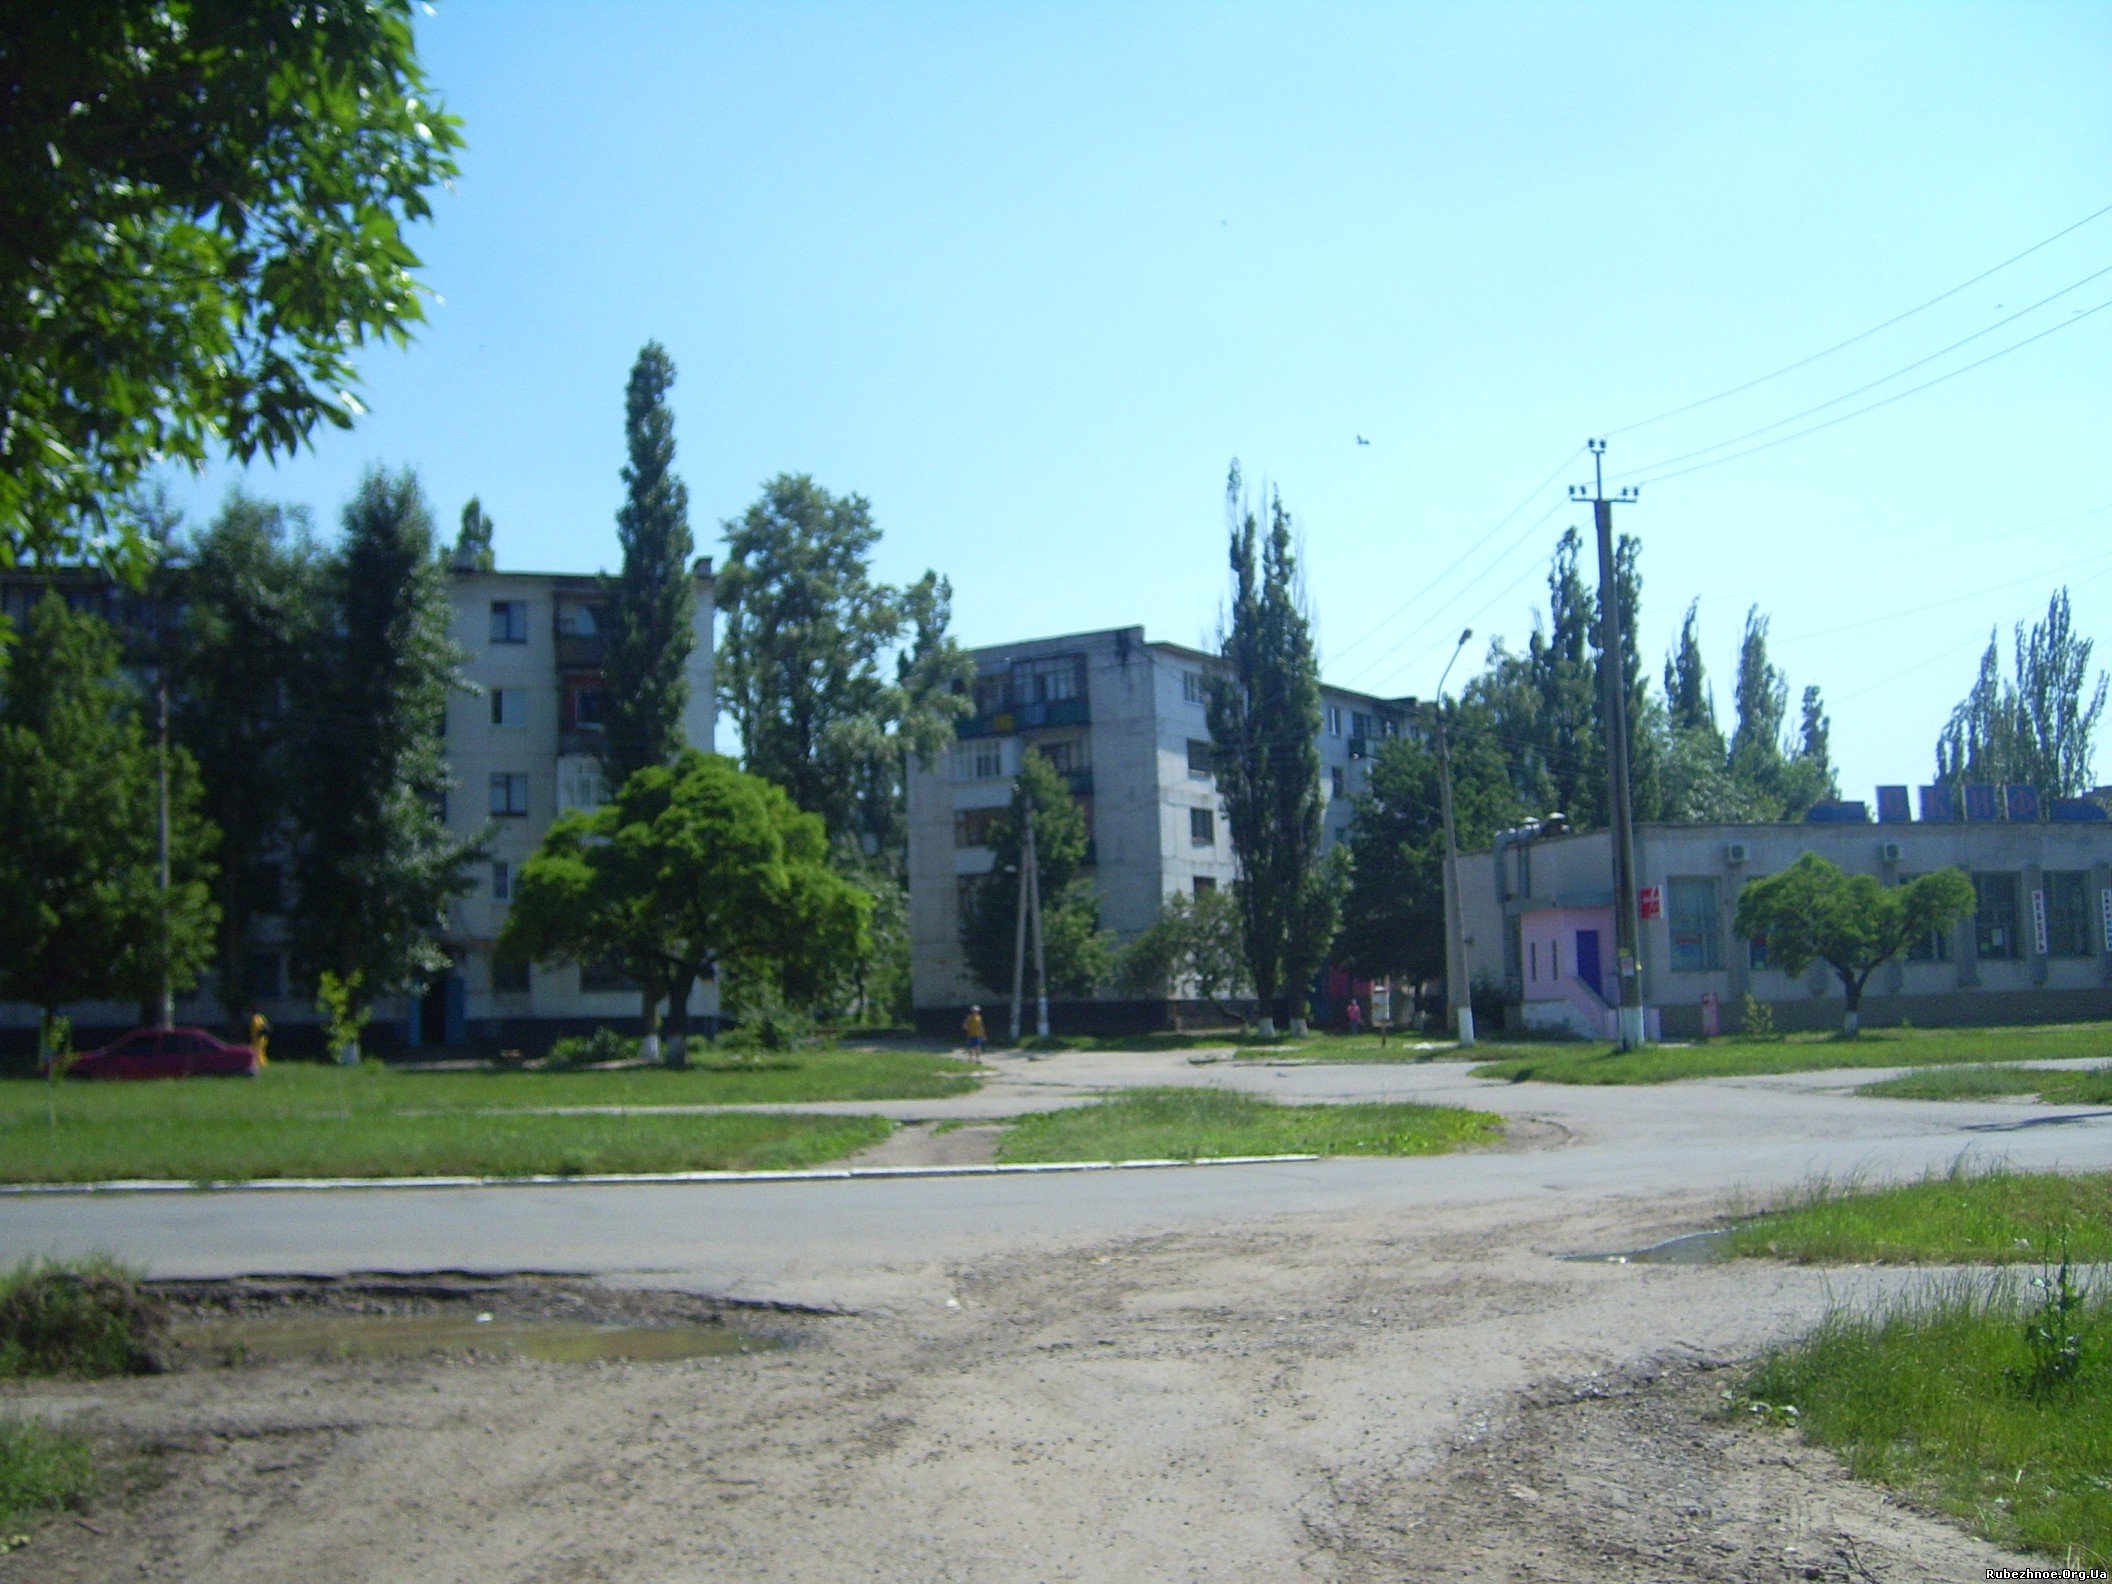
1019	934
1459	995
1032	877
1627	926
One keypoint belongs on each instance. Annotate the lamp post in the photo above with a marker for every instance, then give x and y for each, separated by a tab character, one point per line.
1458	996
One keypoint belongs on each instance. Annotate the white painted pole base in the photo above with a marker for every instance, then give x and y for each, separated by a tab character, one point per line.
1631	1028
1466	1025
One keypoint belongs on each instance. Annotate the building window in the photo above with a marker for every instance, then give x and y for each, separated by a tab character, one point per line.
508	977
1204	885
509	621
1048	681
1334	720
1202	827
1360	724
583	704
509	706
576	620
267	975
2067	913
1995	917
579	784
1532	960
1066	755
981	760
502	880
1697	925
1199	759
1193	689
603	977
1334	780
509	794
972	827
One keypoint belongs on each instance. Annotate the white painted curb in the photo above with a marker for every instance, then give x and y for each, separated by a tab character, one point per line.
167	1185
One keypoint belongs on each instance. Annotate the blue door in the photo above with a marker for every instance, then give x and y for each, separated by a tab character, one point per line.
1588	961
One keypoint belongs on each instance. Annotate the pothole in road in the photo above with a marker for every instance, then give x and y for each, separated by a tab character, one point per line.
1694	1248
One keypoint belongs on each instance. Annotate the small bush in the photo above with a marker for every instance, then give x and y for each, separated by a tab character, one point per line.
598	1049
1756	1018
41	1469
2051	1338
770	1028
89	1319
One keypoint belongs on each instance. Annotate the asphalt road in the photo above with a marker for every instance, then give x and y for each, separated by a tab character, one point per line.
861	1242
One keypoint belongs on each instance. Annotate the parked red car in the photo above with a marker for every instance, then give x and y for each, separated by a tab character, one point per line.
167	1053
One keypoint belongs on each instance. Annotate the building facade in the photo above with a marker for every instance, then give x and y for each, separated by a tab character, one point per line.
522	737
1123	719
1539	924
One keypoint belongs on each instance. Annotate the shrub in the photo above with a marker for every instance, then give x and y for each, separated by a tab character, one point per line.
87	1319
1756	1018
604	1045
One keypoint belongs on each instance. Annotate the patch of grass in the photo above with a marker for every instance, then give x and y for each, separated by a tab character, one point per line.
1934	1395
2054	1085
1733	1057
1958	1217
1206	1123
85	1318
42	1469
299	1140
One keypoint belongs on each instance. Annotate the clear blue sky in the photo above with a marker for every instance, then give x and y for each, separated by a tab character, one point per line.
1028	277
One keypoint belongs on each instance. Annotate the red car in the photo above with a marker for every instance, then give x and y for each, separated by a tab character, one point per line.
167	1053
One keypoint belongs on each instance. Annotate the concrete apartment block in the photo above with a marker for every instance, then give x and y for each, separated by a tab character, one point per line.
1539	924
1123	718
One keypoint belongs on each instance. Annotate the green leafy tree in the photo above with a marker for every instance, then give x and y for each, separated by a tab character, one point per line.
1077	949
473	551
1768	775
1192	951
2037	729
376	864
82	912
202	215
1855	924
250	591
833	680
1264	714
650	604
1393	922
690	869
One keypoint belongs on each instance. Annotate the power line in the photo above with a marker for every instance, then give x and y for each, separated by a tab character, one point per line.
1860	390
1768	445
1863	335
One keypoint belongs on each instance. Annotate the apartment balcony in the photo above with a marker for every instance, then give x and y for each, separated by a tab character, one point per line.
1080	782
579	651
1026	717
579	740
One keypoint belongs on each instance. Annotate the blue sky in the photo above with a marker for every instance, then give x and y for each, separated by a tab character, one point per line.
1028	277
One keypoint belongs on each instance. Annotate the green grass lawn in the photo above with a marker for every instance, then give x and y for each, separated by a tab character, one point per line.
2054	1085
1734	1057
1959	1217
1202	1124
296	1120
42	1469
1933	1397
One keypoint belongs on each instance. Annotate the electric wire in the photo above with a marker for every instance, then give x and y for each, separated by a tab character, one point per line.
1862	390
1863	335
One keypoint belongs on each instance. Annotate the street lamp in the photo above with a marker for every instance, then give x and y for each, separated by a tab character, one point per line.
1457	994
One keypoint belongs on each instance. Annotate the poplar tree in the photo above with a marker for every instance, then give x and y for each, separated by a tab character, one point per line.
377	866
649	604
1264	715
2036	730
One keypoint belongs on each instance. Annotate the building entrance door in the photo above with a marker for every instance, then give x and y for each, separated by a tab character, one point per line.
1588	961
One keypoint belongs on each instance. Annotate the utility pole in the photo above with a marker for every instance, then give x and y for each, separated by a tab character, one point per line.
1459	996
1019	934
1032	876
1627	925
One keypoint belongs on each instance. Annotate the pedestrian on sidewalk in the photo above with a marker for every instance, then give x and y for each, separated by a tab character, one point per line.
972	1026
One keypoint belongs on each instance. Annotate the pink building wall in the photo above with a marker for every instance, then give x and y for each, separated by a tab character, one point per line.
1551	951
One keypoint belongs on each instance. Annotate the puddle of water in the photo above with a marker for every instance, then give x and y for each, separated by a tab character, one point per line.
1695	1248
369	1336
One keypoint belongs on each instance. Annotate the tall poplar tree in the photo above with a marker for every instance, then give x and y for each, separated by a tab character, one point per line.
1264	714
2036	730
648	632
377	866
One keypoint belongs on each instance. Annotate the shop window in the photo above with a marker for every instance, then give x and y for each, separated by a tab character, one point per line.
1995	937
1696	925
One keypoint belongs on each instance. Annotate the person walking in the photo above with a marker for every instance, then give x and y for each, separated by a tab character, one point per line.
972	1026
1356	1017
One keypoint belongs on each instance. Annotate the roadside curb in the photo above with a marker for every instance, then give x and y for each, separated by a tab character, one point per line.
169	1185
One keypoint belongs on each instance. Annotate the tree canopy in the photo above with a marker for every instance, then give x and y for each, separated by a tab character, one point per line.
1192	950
1812	912
203	211
690	868
2036	728
1264	715
1075	946
82	912
648	616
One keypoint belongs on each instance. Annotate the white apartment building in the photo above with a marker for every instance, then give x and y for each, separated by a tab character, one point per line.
522	739
1123	718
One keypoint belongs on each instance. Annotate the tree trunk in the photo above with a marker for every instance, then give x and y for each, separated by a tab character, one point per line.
1266	1027
1852	1019
649	1045
678	1007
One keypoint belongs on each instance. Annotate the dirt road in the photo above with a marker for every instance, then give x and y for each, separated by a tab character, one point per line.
1355	1396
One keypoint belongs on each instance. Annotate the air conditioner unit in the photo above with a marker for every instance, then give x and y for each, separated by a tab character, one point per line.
1888	851
1734	853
